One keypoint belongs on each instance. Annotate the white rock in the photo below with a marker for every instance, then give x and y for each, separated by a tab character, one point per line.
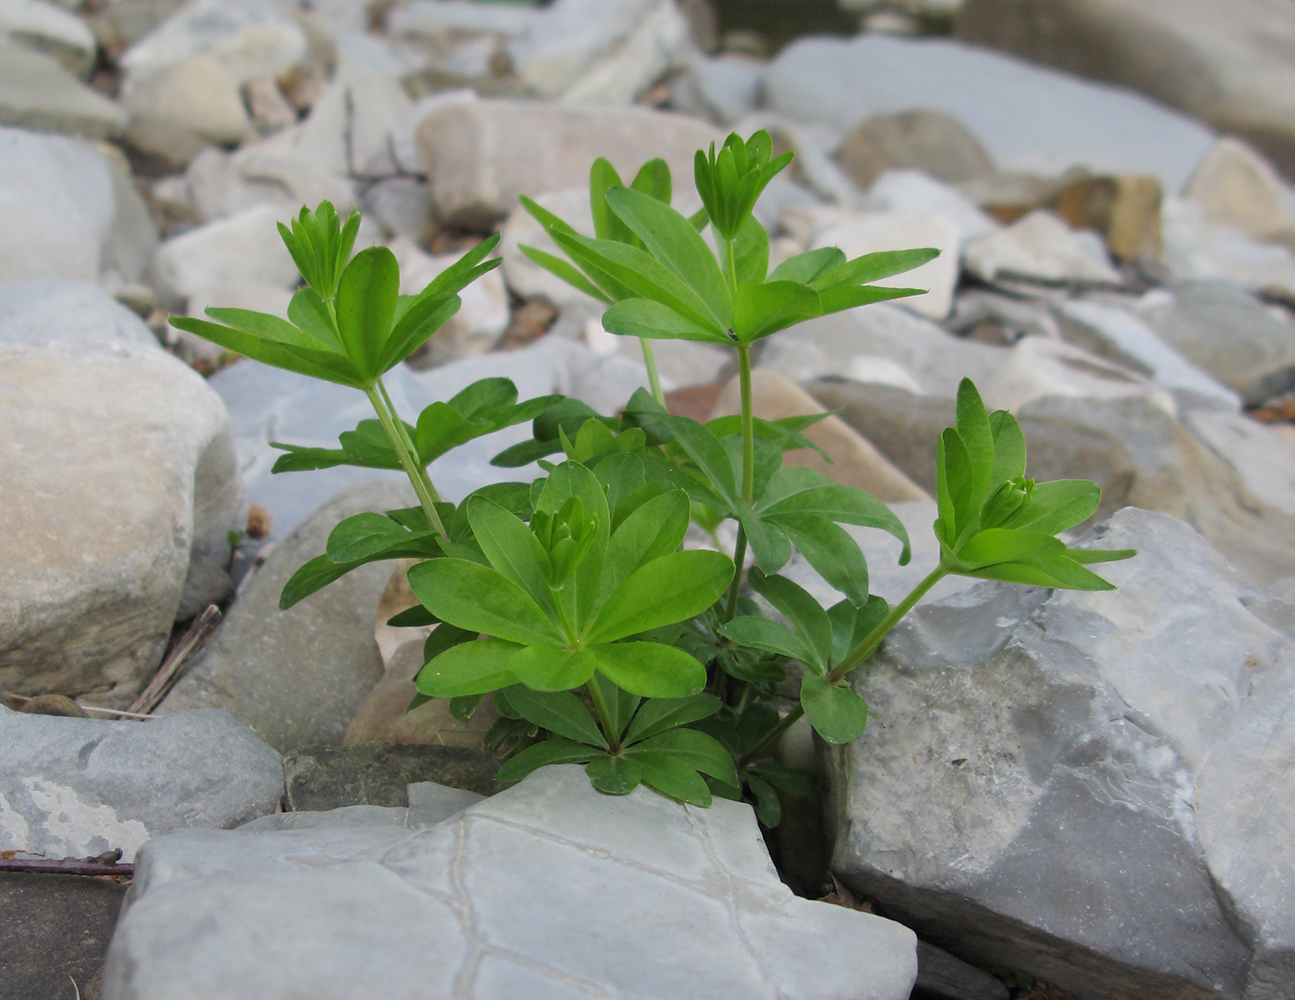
1121	336
869	369
272	172
1236	186
38	312
46	28
183	107
1039	246
438	18
38	93
368	105
546	870
1265	465
815	168
1030	119
915	193
245	247
1037	367
527	278
121	482
725	88
1196	248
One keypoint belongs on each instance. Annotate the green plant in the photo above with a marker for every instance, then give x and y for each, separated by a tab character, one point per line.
569	599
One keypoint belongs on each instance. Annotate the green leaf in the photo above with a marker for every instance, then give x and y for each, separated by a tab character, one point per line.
760	633
444	637
751	253
320	364
614	775
836	713
655	529
1057	506
841	297
414	617
461	709
803	613
653	179
706	450
468	668
267	327
999	545
650	669
803	268
759	310
793	781
700	752
511	548
551	751
954	486
309	312
1009	447
566	271
673	777
973	428
366	305
621	704
315	575
559	712
607	225
363	537
852	624
831	550
1046	570
875	266
660	714
417	323
545	668
661	592
477	597
768	810
805	491
646	318
580	594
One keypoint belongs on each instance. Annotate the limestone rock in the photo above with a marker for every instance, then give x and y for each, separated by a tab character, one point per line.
526	278
376	774
1196	249
121	482
1236	186
911	192
1266	468
483	153
546	870
46	28
1039	247
1098	785
37	312
76	788
723	89
36	92
297	676
183	107
1028	118
1225	65
933	142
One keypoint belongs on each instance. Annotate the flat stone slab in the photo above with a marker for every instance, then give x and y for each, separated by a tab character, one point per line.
547	890
75	788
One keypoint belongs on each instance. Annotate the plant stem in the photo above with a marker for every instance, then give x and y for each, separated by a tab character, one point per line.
654	380
604	716
852	659
739	557
404	434
748	423
731	266
416	473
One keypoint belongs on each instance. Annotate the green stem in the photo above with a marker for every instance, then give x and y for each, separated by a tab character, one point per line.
604	716
739	558
404	433
416	473
730	260
649	359
852	659
748	423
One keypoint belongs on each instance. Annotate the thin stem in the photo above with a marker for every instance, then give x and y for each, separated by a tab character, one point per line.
852	659
421	484
604	716
730	260
400	427
649	359
748	423
739	558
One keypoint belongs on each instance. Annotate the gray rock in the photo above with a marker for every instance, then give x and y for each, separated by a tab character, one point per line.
545	870
437	18
376	774
1228	334
1040	247
1196	249
38	93
483	153
1225	66
184	106
37	312
915	193
297	676
429	804
56	927
121	484
1119	335
933	142
1265	465
1098	787
45	28
76	788
1236	186
1028	118
723	89
940	976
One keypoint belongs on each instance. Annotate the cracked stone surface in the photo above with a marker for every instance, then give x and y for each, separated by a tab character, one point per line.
1097	788
547	890
75	788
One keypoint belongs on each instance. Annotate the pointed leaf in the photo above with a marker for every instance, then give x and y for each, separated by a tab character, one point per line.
561	713
645	318
545	668
1057	506
831	550
759	310
875	266
666	590
760	633
366	305
477	597
468	668
650	669
660	714
551	751
1009	448
803	613
566	271
803	268
700	752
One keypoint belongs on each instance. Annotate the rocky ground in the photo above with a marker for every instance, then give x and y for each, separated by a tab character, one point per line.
1086	795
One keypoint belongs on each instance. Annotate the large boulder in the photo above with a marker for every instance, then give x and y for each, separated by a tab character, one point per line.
78	788
1098	788
121	486
36	312
297	676
548	889
1227	64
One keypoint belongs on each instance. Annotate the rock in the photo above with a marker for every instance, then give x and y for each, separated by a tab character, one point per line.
994	318
132	239
1029	119
481	320
1266	467
365	105
56	927
257	667
723	89
1120	336
933	142
823	347
37	312
437	20
482	153
250	40
600	50
699	880
376	774
913	193
268	109
95	571
855	462
1236	186
1036	368
1197	249
1227	334
940	976
681	362
401	206
1226	67
245	247
526	278
38	93
48	29
76	788
1098	784
248	294
1125	209
1040	247
183	107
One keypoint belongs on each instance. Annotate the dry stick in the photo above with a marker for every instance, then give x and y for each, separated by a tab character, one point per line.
65	866
22	699
194	639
